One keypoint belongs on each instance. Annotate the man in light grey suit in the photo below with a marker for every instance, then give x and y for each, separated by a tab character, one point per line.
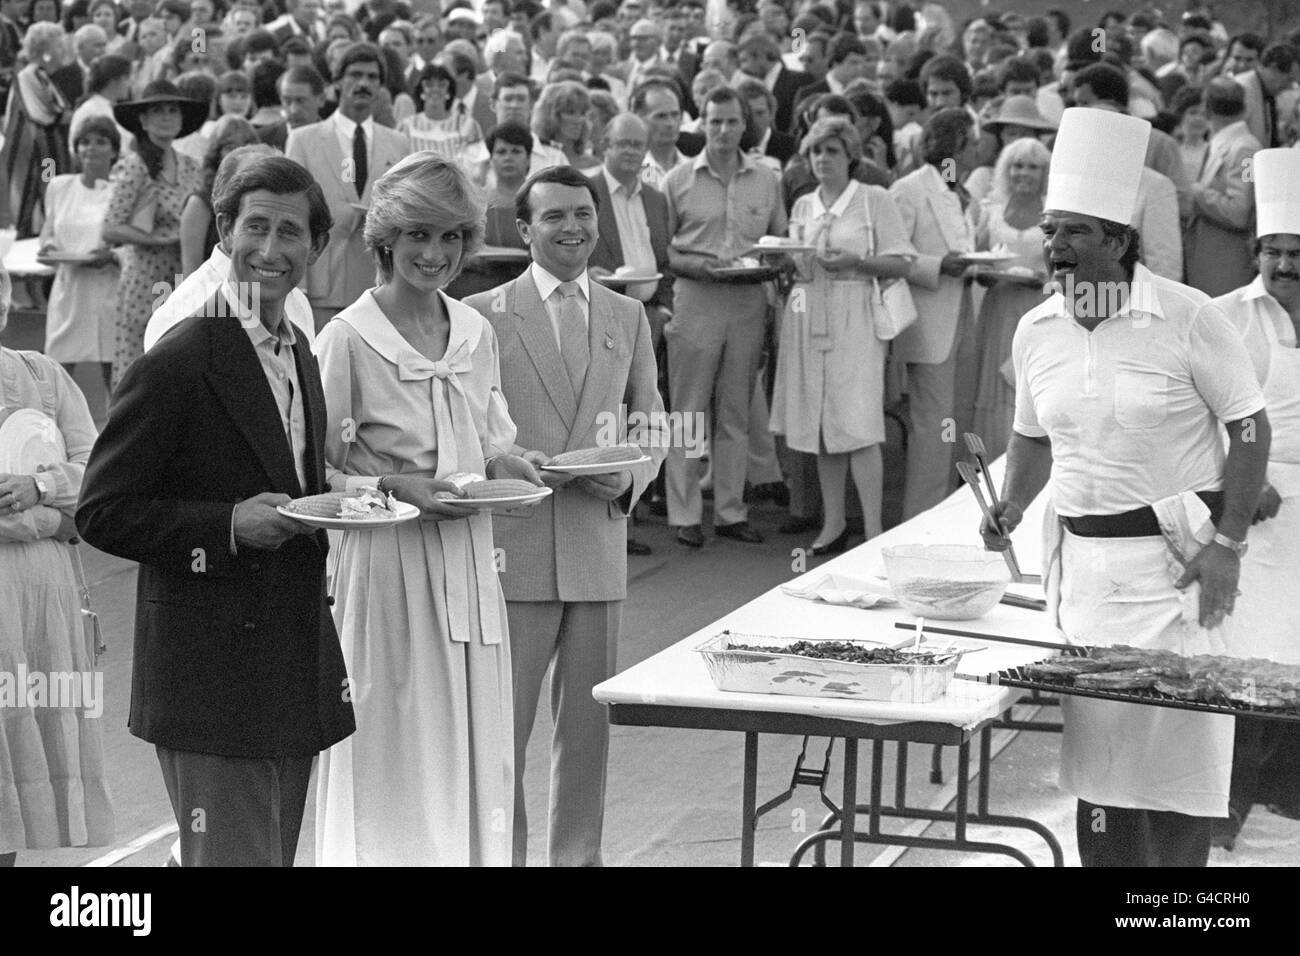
578	370
932	207
345	154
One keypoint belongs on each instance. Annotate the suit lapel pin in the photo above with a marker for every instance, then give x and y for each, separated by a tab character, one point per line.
609	341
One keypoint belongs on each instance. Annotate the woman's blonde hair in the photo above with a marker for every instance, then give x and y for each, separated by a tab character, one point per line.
565	97
41	38
424	189
834	127
1018	150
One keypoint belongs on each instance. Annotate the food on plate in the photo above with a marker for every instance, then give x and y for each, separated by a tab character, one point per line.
597	456
366	504
845	651
500	488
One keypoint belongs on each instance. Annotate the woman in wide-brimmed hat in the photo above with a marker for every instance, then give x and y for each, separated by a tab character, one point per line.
150	185
1016	117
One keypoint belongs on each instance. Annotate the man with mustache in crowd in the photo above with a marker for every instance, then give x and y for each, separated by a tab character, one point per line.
345	154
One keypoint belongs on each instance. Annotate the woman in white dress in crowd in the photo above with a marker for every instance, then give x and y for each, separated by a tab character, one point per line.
828	398
436	127
1008	218
52	783
79	320
412	386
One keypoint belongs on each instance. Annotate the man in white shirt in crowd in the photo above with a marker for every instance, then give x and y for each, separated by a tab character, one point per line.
1124	383
655	103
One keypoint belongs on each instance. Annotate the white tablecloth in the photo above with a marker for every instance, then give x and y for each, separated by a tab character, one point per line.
677	675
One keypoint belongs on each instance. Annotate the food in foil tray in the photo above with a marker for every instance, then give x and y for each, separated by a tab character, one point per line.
846	651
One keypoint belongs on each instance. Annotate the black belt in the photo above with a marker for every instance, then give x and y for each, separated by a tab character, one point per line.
1139	523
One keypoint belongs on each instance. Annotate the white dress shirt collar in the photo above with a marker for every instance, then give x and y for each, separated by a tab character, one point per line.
547	283
614	185
347	128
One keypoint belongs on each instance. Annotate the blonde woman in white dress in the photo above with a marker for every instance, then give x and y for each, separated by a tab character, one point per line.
828	397
412	388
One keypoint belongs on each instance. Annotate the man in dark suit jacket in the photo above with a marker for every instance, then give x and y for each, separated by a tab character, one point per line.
88	43
760	57
575	359
760	138
238	679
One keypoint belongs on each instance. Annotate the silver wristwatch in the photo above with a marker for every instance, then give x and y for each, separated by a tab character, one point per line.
1236	547
43	489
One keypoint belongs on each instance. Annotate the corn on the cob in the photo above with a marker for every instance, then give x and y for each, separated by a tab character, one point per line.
597	456
500	488
318	506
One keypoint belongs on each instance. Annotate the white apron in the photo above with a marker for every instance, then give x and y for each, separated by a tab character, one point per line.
1265	623
1120	591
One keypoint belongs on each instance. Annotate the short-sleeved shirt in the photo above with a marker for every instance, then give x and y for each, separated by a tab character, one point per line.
1133	408
721	219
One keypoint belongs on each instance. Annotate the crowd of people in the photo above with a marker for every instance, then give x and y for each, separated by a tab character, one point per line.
434	201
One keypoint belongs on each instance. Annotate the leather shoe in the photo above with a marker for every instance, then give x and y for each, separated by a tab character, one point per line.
637	547
797	525
740	531
690	535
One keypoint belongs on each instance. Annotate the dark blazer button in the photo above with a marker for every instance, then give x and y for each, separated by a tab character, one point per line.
250	626
329	599
256	565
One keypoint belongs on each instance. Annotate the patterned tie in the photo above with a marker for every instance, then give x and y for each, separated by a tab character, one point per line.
574	347
359	159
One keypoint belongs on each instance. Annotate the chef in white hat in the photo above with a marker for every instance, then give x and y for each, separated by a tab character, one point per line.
1124	382
1266	311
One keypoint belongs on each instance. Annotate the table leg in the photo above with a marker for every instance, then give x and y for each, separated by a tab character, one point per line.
749	800
848	809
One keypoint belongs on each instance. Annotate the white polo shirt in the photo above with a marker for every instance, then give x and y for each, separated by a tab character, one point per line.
1133	408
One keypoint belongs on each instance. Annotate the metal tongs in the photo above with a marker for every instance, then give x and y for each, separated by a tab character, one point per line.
968	473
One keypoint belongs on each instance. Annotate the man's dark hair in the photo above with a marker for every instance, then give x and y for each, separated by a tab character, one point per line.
305	74
1116	230
1018	69
1036	34
564	175
1195	21
1251	41
459	63
1143	21
362	53
527	8
279	175
845	45
724	94
1224	97
636	102
948	68
1112	15
1107	83
1280	57
105	70
1186	98
266	77
601	10
514	133
512	79
904	92
946	134
259	41
294	46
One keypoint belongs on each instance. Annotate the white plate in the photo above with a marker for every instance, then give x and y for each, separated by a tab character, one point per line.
405	512
56	256
628	280
596	468
29	441
493	504
988	256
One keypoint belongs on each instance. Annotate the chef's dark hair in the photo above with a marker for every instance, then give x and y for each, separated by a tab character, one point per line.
1115	230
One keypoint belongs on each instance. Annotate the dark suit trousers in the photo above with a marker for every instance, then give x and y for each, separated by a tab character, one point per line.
1119	836
1265	764
236	811
581	640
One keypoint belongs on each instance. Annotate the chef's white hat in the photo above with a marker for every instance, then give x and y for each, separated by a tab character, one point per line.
1277	192
1097	163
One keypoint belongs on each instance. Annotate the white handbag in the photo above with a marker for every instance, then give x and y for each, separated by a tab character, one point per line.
895	310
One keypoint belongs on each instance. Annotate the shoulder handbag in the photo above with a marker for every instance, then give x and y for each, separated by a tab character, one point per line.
894	307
